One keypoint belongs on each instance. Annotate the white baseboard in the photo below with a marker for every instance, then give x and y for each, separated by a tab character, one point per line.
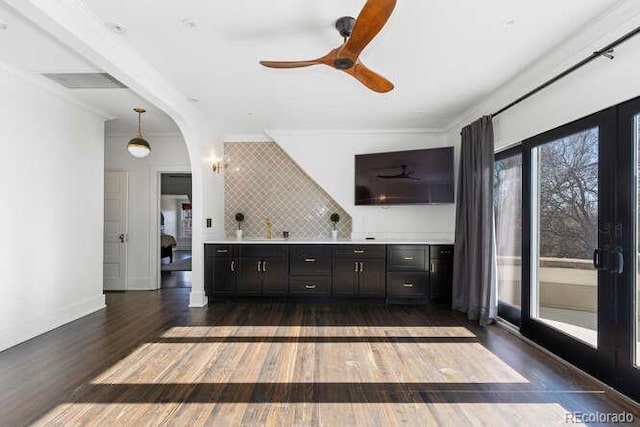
30	328
198	299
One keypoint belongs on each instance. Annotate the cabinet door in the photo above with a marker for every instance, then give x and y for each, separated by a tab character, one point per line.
441	278
407	258
275	277
345	277
224	276
249	280
372	278
408	284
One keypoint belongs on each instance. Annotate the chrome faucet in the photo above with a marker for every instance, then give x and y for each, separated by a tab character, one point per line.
267	230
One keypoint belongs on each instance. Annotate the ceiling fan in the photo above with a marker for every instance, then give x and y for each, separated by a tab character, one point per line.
402	175
357	34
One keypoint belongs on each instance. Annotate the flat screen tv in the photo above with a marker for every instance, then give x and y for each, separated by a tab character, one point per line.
405	177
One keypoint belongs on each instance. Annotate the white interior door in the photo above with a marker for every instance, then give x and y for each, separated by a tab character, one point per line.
115	231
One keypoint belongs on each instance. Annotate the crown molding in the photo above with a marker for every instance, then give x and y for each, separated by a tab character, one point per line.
256	137
312	132
54	89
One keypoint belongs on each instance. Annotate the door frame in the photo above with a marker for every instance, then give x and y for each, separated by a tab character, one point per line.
628	375
596	361
155	183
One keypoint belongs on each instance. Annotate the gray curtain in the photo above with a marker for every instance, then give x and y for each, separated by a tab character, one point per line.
474	262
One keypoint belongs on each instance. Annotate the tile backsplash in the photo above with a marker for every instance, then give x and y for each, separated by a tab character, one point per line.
262	181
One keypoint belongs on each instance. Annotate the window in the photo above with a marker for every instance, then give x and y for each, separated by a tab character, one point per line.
507	198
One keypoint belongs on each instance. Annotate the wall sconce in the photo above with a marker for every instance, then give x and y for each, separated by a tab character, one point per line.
219	163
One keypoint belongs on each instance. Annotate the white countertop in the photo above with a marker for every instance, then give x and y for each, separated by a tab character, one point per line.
320	241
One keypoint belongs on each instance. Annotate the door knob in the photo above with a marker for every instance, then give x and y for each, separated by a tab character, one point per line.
121	237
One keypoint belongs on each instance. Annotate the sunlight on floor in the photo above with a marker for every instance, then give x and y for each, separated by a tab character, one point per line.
333	331
362	359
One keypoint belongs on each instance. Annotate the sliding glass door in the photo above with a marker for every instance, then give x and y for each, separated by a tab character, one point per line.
564	230
568	261
628	220
581	244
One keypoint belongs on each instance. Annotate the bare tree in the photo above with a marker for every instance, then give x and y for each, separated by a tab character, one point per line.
568	177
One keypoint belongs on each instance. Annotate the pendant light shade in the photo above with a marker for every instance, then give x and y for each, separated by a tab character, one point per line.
138	146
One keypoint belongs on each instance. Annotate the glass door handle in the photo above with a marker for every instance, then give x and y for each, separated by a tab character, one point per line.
600	259
617	259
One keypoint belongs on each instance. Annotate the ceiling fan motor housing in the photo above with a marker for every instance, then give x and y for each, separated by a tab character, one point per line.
345	25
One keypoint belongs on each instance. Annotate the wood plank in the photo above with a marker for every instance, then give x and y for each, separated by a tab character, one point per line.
149	359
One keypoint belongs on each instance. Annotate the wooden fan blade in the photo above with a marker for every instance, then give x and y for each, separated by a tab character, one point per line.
370	79
290	64
372	18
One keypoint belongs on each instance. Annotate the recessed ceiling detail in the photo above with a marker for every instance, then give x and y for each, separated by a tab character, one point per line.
86	80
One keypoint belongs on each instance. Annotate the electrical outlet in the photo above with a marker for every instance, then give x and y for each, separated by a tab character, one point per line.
208	222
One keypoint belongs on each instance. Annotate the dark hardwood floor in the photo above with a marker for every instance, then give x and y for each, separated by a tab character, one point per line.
148	359
176	279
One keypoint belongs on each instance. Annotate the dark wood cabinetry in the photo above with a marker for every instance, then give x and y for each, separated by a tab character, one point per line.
263	270
359	271
441	272
310	270
221	268
407	273
339	270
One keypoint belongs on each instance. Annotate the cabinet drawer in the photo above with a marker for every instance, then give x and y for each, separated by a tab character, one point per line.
359	251
441	251
219	251
401	258
309	285
310	259
263	251
408	285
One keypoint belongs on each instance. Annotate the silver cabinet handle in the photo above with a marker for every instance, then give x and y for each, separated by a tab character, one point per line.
222	251
310	286
264	266
433	268
358	251
361	266
233	266
356	264
259	264
309	260
408	285
408	258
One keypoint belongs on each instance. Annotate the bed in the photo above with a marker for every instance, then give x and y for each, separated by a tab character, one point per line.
167	243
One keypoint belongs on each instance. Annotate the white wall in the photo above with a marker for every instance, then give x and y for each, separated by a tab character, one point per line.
168	153
51	188
328	158
598	85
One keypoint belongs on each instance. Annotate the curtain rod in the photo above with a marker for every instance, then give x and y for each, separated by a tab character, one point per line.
605	51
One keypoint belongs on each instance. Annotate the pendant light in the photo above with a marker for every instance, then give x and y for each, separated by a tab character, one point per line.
138	146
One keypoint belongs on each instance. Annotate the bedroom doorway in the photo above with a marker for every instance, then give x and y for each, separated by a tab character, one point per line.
175	230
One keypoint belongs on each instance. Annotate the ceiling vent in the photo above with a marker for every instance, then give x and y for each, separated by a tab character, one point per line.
86	80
